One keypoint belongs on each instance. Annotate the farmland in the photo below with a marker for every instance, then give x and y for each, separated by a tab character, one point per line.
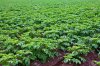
36	29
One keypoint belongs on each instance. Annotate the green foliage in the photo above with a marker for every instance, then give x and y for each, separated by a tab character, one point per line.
97	62
34	29
75	54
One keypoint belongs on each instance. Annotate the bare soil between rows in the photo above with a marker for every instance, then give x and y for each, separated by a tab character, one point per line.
58	61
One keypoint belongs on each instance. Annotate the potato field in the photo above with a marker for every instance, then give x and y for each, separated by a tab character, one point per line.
37	30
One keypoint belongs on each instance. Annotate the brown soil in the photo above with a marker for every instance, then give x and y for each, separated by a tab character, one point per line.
57	61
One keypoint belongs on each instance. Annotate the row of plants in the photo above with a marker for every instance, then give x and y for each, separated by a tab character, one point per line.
35	32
